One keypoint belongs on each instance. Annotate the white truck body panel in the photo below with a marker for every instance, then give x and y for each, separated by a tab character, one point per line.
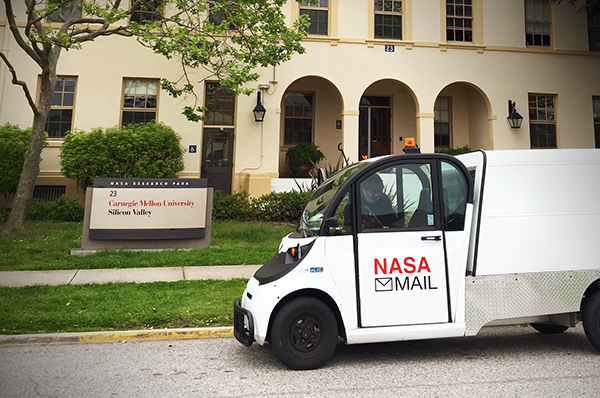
539	211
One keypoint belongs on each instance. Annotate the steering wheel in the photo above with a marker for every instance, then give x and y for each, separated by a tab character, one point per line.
367	211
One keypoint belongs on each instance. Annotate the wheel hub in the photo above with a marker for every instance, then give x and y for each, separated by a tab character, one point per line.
305	334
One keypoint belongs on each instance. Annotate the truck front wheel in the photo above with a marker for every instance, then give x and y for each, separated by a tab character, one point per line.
591	319
304	334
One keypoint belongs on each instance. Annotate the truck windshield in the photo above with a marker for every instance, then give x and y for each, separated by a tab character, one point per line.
312	216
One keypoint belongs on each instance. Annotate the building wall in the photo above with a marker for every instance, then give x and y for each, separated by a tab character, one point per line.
339	69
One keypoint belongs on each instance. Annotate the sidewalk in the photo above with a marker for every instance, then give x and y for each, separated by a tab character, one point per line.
140	275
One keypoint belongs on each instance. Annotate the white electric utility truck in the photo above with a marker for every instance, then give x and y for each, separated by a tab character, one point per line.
423	246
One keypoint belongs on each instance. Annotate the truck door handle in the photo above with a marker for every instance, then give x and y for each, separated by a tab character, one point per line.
431	237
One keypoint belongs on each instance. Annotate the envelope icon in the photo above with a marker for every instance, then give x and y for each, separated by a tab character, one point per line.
383	285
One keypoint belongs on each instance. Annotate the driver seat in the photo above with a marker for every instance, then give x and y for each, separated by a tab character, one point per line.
424	208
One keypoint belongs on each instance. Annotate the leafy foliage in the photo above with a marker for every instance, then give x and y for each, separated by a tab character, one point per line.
455	151
303	154
13	144
231	207
236	38
274	206
590	6
150	150
61	209
4	212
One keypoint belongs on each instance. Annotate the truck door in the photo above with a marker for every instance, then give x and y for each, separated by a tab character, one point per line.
402	268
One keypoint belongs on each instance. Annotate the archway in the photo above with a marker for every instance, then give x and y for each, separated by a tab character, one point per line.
387	114
311	113
462	114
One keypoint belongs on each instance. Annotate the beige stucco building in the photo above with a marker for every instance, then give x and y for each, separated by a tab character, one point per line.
374	73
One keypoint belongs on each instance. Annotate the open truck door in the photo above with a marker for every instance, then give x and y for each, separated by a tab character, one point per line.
401	259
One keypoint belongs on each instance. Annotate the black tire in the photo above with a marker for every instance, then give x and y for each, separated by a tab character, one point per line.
591	319
304	334
547	328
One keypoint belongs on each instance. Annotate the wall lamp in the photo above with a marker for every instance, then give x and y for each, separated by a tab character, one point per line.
259	110
514	119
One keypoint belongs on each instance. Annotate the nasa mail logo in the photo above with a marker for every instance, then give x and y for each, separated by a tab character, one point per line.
412	274
384	285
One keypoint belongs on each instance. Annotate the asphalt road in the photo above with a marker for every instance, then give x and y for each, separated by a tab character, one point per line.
500	362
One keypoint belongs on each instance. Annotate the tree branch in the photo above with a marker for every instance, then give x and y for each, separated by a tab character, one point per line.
90	34
21	83
10	16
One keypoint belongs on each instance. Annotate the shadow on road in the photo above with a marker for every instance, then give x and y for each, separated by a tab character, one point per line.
491	343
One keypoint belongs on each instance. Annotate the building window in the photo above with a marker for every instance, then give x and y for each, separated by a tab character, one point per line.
298	118
64	12
442	122
596	101
388	19
319	16
218	16
148	11
542	120
60	118
140	101
220	105
537	23
594	31
459	20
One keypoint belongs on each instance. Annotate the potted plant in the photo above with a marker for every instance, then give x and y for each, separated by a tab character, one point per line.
302	158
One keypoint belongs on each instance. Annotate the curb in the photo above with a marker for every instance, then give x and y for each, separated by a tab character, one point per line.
118	336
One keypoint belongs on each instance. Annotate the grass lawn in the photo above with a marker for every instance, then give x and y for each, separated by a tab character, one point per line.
47	246
118	306
126	306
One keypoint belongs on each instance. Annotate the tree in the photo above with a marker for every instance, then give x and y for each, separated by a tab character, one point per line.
592	7
227	38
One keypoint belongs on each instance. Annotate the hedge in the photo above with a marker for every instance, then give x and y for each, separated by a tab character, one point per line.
272	207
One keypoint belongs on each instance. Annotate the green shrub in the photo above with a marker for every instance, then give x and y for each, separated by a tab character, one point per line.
4	212
13	144
61	209
150	150
280	206
303	154
231	207
455	151
274	206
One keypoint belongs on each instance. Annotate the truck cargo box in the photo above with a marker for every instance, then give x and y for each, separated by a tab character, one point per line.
535	210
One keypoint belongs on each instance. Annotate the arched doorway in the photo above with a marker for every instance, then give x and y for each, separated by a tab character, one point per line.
462	118
311	113
387	112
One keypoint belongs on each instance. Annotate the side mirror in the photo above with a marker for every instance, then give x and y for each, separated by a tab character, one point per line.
329	224
321	176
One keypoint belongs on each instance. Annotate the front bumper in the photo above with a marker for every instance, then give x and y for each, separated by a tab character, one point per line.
243	324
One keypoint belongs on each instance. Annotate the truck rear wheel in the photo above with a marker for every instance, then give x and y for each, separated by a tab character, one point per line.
591	319
547	328
304	334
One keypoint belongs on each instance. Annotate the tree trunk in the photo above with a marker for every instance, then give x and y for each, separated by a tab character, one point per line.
31	166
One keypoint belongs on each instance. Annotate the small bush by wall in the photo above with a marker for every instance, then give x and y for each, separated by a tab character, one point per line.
274	206
231	207
4	212
61	209
14	141
280	206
